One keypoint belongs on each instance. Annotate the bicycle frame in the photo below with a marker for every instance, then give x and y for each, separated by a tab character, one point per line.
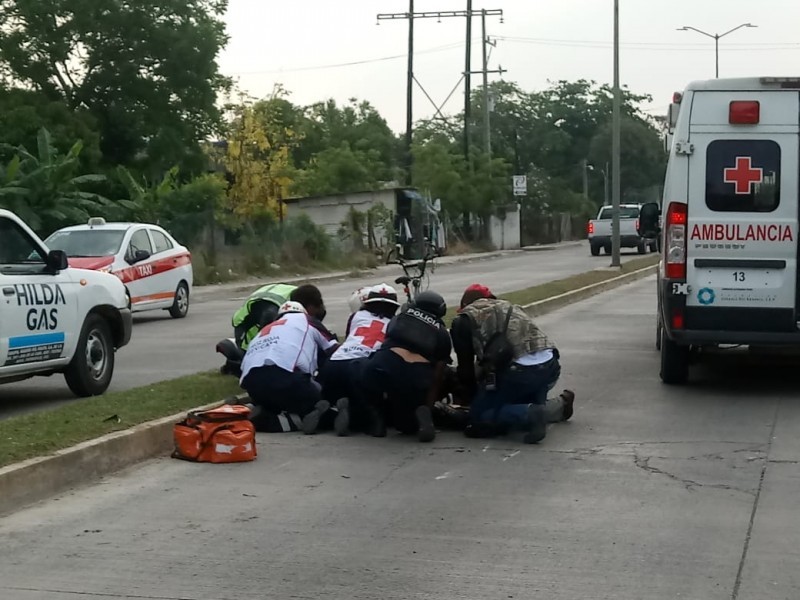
414	278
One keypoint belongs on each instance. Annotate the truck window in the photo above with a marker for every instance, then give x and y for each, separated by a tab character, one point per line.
625	212
18	252
743	176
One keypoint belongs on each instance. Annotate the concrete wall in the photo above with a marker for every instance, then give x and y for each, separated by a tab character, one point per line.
504	233
330	211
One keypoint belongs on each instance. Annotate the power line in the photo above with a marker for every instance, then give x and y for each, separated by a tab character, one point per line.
352	63
650	46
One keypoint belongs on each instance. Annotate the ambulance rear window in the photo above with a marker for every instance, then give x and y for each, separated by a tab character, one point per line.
743	176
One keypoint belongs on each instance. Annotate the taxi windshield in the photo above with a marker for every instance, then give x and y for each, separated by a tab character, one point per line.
87	242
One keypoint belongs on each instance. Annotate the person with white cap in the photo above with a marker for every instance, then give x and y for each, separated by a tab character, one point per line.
366	332
278	367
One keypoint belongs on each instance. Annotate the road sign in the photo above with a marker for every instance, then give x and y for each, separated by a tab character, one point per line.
520	185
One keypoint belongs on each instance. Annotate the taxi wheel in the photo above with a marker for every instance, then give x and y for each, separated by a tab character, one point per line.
89	373
180	306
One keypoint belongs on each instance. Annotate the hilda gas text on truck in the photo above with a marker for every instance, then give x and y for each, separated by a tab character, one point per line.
55	318
728	273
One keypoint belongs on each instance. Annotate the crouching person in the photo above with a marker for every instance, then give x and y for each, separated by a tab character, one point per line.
510	364
401	381
277	370
340	375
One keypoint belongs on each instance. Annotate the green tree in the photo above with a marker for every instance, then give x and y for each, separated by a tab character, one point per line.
339	170
145	70
45	189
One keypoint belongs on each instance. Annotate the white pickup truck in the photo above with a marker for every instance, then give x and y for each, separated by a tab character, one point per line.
54	318
599	231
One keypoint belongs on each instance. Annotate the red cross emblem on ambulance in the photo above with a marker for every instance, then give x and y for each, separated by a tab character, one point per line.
743	175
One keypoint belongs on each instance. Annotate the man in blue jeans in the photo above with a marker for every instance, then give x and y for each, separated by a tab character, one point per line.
508	366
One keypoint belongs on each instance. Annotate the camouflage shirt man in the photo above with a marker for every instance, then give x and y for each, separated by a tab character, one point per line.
510	393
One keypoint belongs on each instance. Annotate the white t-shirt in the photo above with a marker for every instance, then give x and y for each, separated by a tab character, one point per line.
289	342
367	332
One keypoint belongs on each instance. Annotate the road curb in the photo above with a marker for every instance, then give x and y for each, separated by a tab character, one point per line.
38	479
547	305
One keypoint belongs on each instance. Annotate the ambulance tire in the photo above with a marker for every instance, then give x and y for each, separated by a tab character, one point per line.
641	247
674	361
89	373
659	327
180	306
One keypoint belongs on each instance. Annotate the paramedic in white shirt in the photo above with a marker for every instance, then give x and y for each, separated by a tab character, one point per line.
341	375
278	367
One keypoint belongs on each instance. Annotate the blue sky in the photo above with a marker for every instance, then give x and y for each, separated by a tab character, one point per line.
288	41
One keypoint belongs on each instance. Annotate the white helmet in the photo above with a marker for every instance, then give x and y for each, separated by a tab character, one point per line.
291	307
382	292
357	298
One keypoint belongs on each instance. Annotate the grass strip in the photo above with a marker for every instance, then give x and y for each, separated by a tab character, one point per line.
44	432
573	282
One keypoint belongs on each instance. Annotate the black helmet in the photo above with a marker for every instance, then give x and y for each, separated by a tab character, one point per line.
432	303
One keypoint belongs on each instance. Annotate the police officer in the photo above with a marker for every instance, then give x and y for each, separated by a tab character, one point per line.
401	381
517	365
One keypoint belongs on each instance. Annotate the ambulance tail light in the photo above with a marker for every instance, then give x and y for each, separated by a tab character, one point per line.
744	112
590	228
675	246
677	319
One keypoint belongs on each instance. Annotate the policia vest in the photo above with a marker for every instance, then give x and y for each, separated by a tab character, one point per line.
487	317
245	320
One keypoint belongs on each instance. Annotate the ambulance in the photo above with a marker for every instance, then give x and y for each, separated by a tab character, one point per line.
728	274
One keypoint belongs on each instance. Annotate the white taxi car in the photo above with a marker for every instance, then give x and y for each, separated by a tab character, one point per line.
156	269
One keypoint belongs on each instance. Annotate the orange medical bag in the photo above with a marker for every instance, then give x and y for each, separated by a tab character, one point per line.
219	435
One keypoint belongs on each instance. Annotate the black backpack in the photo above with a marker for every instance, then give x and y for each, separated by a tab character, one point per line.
498	352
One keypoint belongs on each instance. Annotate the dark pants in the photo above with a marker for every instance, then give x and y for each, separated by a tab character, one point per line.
396	388
516	388
342	379
278	391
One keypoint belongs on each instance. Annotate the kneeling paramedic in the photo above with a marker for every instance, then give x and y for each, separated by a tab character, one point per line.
339	377
401	381
277	371
517	365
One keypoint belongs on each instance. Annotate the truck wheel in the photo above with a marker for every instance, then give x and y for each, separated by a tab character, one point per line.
180	306
607	249
595	249
674	361
89	373
641	247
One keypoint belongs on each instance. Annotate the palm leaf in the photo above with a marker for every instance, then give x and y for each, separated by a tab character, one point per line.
45	144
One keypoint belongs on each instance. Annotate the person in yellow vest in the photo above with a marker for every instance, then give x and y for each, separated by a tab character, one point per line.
510	365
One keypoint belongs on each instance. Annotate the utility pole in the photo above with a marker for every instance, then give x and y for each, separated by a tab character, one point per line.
411	16
585	170
487	128
467	82
615	147
410	94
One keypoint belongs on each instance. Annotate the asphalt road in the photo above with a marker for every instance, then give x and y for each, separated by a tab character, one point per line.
162	348
650	492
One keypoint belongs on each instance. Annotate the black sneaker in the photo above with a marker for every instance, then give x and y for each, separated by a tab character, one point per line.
427	432
311	420
568	397
377	425
341	423
537	423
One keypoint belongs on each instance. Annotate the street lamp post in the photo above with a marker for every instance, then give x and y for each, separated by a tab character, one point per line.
716	37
